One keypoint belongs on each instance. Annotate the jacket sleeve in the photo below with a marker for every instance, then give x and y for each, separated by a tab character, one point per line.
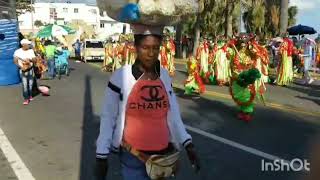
108	117
180	131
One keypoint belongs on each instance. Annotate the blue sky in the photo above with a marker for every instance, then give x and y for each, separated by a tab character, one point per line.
308	13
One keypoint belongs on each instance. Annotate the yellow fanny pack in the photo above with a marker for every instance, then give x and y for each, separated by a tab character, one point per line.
157	166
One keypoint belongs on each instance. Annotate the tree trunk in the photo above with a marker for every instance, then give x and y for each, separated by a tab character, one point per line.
228	22
284	16
178	40
196	36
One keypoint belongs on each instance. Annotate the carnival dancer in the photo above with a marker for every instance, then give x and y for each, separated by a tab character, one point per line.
108	61
242	60
129	51
194	82
243	92
285	68
222	63
117	58
244	76
39	48
260	62
163	57
170	52
132	53
317	53
126	53
211	63
203	58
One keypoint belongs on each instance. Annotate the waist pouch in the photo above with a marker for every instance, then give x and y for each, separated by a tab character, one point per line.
157	166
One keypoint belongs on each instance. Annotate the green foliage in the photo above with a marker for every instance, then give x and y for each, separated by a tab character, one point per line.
261	17
292	11
38	23
23	6
255	17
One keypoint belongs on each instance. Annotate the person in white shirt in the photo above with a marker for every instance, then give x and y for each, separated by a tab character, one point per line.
24	58
307	54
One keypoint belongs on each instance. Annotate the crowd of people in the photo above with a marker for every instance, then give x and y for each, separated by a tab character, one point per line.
222	61
245	60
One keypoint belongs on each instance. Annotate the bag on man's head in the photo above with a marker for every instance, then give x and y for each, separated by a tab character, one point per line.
149	12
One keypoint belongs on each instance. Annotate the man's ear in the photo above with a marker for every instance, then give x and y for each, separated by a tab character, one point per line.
2	37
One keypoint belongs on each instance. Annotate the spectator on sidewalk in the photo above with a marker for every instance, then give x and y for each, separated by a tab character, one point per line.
24	58
50	50
308	57
77	49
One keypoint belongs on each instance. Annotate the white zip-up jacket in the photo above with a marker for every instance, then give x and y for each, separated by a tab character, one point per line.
112	121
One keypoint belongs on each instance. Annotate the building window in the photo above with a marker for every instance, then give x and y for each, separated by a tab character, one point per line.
53	13
76	10
65	10
101	25
93	11
52	10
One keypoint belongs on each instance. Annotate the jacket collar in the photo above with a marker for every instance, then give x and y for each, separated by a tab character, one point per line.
136	72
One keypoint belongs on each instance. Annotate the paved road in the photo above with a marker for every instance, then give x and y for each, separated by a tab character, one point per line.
55	136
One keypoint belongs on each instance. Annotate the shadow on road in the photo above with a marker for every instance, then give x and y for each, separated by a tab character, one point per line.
310	90
90	130
313	91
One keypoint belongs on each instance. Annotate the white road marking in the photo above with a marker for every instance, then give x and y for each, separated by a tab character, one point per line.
236	145
17	165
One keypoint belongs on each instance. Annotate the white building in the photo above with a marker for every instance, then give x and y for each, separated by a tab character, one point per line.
64	13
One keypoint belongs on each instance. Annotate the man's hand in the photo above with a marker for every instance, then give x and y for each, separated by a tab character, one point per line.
101	169
193	158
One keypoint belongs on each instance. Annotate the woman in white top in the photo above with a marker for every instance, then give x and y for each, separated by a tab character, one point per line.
24	58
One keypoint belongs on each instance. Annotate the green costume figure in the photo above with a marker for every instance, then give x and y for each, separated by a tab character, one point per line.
243	92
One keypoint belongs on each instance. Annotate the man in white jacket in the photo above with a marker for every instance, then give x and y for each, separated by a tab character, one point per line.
141	112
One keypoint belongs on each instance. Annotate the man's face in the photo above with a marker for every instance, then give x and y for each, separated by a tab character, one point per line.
25	46
148	51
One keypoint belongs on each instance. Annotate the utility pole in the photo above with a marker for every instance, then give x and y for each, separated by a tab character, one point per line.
32	23
240	18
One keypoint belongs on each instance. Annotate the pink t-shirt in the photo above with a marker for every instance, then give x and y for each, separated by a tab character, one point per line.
146	125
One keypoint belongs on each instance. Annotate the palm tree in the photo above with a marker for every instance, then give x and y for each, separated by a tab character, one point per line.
254	17
178	39
230	4
293	11
275	21
284	16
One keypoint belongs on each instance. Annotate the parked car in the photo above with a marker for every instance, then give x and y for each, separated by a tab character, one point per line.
93	50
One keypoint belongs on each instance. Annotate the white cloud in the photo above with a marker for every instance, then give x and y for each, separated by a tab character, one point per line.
305	4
